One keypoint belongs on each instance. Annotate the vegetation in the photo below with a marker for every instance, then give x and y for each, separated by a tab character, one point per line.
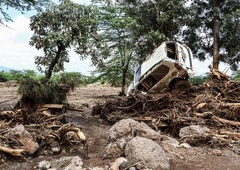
35	92
119	56
19	5
117	35
213	30
59	28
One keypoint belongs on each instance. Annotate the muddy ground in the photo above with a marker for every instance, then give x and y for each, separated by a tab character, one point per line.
95	129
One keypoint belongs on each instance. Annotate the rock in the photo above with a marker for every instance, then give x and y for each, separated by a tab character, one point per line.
75	164
193	130
117	163
143	130
121	128
127	165
44	165
184	145
236	149
55	149
216	152
115	148
132	168
25	139
130	127
148	151
112	149
169	141
60	163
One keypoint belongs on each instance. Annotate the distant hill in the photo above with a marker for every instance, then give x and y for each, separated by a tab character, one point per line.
2	68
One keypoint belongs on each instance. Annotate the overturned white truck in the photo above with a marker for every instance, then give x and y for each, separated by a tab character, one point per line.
167	68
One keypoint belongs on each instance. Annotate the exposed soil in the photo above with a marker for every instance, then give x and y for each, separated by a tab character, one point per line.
95	129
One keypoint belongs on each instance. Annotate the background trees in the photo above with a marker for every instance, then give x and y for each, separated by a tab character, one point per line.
213	30
115	34
156	22
114	26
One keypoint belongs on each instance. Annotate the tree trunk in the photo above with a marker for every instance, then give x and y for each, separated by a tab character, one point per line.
48	73
123	82
215	42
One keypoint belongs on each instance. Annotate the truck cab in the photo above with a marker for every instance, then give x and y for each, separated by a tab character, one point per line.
167	68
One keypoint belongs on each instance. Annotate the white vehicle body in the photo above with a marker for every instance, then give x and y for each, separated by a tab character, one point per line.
171	62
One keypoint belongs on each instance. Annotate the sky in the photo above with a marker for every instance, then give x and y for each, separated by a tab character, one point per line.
17	54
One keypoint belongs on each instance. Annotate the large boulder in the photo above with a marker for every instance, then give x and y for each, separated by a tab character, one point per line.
130	128
148	151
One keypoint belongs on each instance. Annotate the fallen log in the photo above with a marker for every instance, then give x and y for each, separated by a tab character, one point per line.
13	152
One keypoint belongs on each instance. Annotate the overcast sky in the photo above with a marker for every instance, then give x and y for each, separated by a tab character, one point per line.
15	52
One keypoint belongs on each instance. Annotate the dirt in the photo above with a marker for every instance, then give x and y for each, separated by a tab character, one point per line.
95	129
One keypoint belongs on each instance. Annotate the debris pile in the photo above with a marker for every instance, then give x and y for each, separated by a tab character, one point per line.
215	104
25	133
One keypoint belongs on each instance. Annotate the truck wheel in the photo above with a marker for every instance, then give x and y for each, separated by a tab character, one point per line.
180	84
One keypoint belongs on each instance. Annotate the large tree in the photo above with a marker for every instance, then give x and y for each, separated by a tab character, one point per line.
19	5
59	28
119	48
156	21
213	30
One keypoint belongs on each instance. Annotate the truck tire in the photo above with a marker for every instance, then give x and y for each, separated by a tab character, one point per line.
181	84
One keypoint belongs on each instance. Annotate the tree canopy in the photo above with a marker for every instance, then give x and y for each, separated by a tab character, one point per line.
59	28
156	21
213	30
19	5
114	33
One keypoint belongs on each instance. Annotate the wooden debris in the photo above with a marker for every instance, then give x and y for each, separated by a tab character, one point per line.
225	121
53	106
13	152
22	128
214	104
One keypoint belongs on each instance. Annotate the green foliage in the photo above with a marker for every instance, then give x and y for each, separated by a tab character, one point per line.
4	76
59	28
69	78
155	22
117	53
35	92
236	75
19	5
200	30
18	75
198	80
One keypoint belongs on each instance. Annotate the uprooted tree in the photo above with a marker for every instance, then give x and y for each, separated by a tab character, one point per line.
56	30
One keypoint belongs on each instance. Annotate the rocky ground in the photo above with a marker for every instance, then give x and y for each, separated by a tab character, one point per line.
102	135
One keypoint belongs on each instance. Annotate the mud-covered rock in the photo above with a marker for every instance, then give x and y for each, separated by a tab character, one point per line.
193	130
148	151
130	127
